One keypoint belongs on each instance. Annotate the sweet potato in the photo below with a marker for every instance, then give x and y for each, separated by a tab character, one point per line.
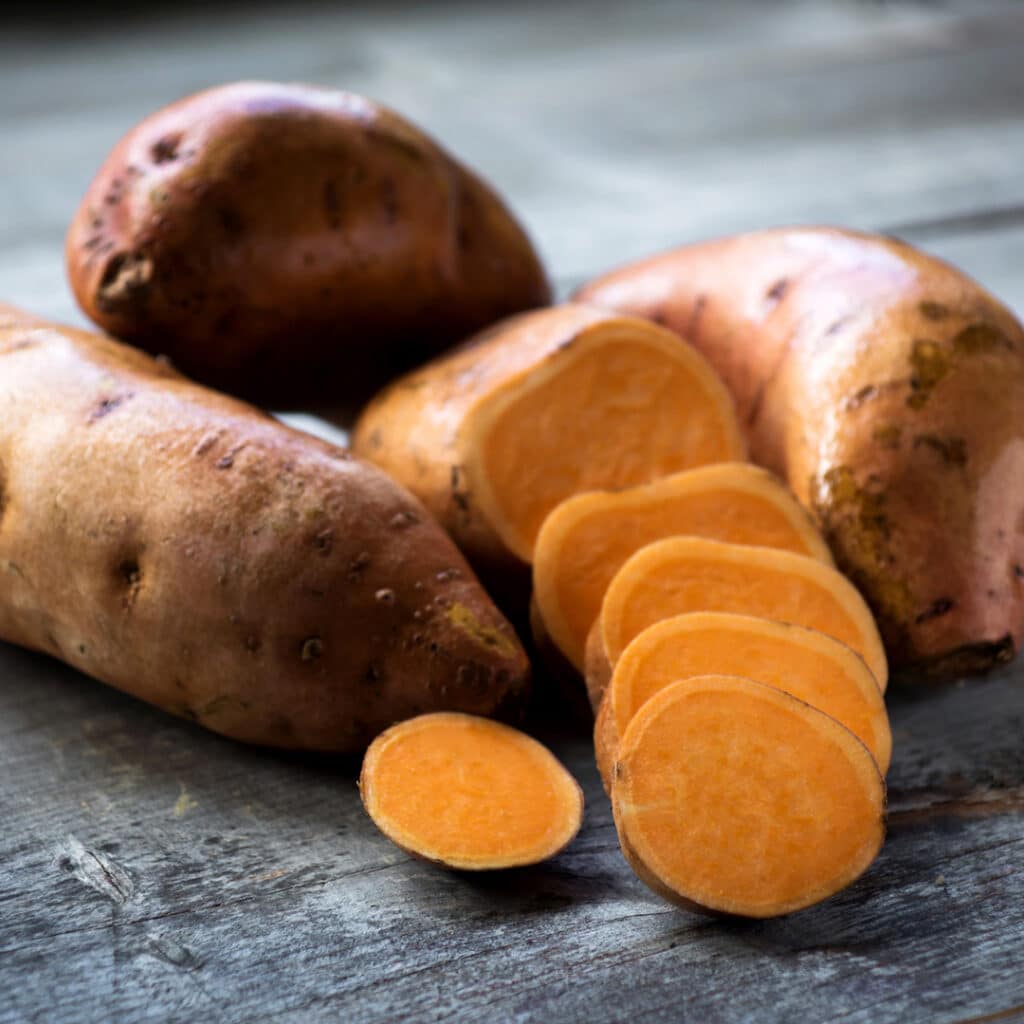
887	388
733	797
540	407
585	540
469	793
190	550
691	574
809	665
289	243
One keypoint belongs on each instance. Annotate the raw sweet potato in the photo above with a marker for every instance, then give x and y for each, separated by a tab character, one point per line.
469	793
585	540
286	243
809	665
691	574
733	797
887	388
540	407
190	550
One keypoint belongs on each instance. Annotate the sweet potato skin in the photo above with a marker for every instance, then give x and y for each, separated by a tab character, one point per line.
888	389
190	550
275	239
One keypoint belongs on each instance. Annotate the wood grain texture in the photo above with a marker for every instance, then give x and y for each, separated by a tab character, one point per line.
149	870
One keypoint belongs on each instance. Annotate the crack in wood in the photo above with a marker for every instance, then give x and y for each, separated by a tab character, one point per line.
979	803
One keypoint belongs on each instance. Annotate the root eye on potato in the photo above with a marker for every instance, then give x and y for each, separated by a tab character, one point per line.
293	244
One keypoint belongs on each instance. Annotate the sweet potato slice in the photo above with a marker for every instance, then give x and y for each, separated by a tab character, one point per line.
469	793
541	407
809	665
585	540
691	574
733	797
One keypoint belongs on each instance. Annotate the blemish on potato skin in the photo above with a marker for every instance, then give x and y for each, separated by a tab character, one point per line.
105	406
125	281
165	149
933	310
384	596
463	618
777	292
929	364
943	606
952	450
887	436
312	649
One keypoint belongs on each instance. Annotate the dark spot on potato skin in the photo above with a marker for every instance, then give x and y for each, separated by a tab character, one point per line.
125	281
165	149
332	205
232	223
777	292
324	541
460	497
943	606
887	436
384	596
107	405
929	365
933	310
952	450
981	337
312	649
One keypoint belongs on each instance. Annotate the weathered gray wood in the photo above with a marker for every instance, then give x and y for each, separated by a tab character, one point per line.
148	869
155	865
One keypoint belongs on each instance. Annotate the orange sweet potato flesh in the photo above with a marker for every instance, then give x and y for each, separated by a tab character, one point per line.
469	793
887	388
586	539
541	407
803	662
733	797
689	574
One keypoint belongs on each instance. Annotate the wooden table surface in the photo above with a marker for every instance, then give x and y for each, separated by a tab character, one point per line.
149	870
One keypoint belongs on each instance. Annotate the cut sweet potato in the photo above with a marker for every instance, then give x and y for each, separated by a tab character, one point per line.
809	665
585	540
733	797
691	574
469	793
541	407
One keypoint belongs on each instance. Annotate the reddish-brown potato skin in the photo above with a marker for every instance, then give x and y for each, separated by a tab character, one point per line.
888	389
190	550
290	244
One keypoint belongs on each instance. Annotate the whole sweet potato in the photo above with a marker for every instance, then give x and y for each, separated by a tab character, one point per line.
285	242
888	389
192	551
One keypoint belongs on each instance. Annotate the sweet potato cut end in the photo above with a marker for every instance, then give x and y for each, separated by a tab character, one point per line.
585	540
622	403
469	793
809	665
733	797
689	574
